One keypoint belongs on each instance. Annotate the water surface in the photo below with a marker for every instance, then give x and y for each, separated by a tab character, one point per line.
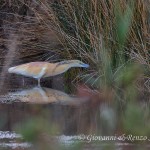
21	100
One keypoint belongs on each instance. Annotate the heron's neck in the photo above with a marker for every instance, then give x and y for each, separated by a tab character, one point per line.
64	69
58	69
67	67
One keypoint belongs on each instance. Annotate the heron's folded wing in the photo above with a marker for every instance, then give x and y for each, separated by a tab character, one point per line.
29	69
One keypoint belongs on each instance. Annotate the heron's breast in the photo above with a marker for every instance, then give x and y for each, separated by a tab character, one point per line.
53	70
39	72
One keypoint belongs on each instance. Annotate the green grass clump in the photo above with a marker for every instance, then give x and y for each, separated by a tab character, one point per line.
135	122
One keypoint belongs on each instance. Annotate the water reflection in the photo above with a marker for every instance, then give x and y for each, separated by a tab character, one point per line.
72	115
40	95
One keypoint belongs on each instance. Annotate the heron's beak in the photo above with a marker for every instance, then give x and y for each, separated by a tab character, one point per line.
85	65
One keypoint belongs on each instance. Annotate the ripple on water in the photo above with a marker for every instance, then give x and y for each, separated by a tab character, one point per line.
9	139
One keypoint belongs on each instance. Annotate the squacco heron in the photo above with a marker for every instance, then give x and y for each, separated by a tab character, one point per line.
40	70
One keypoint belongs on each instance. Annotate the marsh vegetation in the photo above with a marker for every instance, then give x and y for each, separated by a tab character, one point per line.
113	95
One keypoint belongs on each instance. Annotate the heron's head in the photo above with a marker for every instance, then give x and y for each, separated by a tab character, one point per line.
76	63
